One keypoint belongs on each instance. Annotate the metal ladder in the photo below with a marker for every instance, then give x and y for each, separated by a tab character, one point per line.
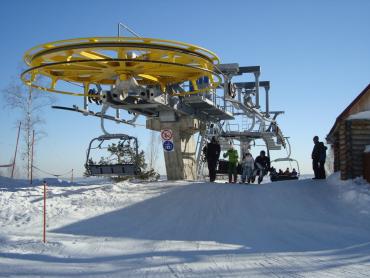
201	142
270	142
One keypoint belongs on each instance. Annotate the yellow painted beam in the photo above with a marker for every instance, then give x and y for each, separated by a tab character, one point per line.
93	55
149	77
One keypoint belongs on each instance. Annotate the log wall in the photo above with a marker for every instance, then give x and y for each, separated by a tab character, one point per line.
351	140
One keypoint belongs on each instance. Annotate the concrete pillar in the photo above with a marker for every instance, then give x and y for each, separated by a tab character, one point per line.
181	162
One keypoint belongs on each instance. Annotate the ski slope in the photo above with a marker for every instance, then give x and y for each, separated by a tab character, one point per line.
95	228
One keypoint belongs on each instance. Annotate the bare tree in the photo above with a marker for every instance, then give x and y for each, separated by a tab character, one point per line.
29	102
153	151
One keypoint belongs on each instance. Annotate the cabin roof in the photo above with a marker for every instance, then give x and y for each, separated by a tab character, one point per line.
346	111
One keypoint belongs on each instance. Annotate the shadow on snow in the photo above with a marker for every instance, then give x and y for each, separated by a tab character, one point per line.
280	217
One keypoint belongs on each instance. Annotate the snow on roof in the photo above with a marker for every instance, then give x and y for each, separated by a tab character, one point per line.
365	115
367	149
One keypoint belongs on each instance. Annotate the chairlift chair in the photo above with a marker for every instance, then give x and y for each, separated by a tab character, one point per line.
129	167
285	177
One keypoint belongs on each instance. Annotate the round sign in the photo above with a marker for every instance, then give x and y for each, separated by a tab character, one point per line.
168	146
166	134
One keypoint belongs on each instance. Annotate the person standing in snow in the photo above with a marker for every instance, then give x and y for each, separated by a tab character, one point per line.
233	161
322	159
247	167
212	155
262	165
316	157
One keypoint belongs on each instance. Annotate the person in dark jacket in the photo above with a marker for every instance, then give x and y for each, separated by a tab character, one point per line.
294	172
322	158
316	157
262	165
212	155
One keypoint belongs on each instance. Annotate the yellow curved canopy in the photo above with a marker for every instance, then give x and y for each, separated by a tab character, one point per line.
103	60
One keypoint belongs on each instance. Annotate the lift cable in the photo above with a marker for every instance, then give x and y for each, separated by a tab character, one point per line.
48	173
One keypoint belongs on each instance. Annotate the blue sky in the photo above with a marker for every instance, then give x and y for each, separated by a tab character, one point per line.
315	54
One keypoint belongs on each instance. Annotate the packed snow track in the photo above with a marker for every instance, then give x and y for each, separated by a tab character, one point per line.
300	228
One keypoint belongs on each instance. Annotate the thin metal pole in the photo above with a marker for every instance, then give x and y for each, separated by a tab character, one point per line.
267	103
226	81
257	75
29	124
86	92
72	176
44	216
128	29
16	148
33	143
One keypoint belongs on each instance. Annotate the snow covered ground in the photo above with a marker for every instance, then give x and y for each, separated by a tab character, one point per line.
95	228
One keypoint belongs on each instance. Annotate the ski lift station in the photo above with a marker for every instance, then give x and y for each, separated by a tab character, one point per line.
181	89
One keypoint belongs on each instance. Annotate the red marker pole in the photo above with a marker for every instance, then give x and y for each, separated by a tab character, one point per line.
44	231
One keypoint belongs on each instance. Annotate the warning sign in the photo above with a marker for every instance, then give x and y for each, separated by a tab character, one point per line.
166	134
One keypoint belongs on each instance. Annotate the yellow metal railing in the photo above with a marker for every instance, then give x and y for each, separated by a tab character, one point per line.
103	60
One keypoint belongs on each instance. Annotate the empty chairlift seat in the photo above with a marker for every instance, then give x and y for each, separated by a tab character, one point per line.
128	168
113	170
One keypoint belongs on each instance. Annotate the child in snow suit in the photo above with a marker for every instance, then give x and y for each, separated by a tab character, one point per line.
233	161
247	167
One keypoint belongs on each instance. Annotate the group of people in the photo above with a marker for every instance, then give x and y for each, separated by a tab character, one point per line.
250	167
283	175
